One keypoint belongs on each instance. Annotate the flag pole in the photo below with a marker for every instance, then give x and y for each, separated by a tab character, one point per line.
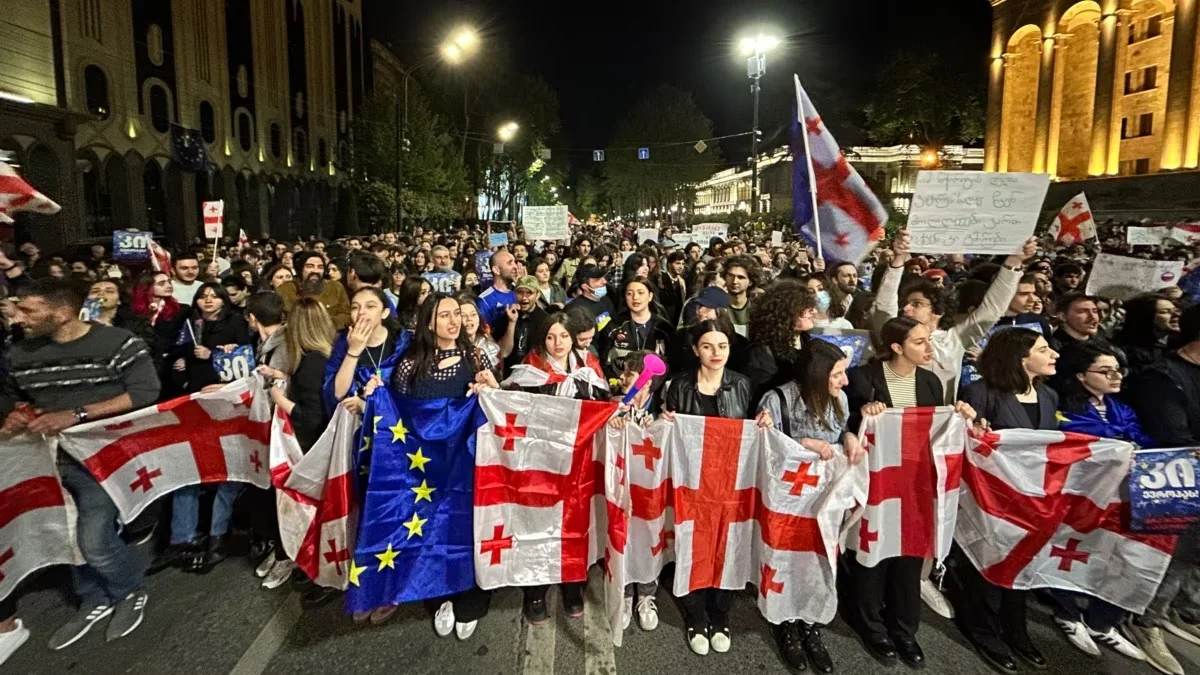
812	175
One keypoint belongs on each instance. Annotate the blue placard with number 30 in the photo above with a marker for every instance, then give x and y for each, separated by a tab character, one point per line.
233	365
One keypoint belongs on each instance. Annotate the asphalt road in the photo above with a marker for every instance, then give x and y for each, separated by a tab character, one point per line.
225	623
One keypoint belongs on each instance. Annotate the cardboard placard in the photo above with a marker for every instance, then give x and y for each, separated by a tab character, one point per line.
975	211
545	222
1121	278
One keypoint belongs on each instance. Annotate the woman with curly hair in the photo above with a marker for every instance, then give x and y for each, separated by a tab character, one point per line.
779	325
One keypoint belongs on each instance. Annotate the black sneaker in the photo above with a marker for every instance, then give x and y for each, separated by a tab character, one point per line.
316	596
790	642
536	612
175	555
203	561
818	656
572	597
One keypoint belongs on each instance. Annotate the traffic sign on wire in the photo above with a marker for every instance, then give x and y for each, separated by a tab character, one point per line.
643	153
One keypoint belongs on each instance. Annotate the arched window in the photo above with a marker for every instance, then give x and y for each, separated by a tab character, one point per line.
276	141
154	44
160	109
301	150
95	91
322	153
208	122
245	127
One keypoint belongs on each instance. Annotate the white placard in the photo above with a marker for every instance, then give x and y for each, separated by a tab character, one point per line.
545	222
1188	233
776	238
1115	276
975	211
1147	236
704	232
645	233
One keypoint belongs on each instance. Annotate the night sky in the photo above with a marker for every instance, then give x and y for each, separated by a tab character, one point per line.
600	56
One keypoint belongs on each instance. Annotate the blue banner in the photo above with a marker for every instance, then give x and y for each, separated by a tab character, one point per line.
233	365
498	239
483	267
131	245
1163	497
852	345
415	539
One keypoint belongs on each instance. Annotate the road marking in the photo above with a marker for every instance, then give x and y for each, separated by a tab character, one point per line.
598	651
537	656
258	656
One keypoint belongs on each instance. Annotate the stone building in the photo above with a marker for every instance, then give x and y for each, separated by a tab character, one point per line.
1092	88
92	93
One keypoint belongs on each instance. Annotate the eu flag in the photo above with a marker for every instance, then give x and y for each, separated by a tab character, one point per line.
415	538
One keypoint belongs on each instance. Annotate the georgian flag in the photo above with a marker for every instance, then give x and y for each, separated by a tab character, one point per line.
202	438
1074	224
915	460
316	499
37	516
160	259
581	377
18	195
752	506
1043	509
539	472
214	219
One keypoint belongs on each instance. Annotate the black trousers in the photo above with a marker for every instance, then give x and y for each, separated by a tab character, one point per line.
707	606
470	605
539	592
887	597
8	606
987	614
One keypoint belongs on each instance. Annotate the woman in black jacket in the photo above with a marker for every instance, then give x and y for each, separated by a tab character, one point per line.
640	327
216	325
712	390
1011	395
1151	323
779	325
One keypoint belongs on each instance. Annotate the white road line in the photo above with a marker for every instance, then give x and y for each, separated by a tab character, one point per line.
599	657
537	654
270	638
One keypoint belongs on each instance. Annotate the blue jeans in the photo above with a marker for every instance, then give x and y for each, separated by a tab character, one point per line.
112	569
185	511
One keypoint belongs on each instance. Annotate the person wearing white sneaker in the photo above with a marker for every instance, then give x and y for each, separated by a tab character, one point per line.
443	619
1181	627
280	572
465	630
1150	641
264	567
13	634
932	596
1117	642
647	610
1077	634
460	613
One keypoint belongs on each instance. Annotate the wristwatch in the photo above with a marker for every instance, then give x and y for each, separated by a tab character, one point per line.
81	415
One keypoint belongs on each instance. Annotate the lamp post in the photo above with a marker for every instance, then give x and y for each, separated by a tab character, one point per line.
460	45
756	49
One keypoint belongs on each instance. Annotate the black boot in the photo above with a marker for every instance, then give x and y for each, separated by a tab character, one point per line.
790	640
818	656
175	555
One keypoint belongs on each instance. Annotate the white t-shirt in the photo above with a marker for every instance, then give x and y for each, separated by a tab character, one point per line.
185	293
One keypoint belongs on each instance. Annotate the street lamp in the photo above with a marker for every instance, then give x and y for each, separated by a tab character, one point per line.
507	131
756	48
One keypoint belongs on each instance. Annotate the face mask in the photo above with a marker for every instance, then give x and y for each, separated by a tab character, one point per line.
600	292
823	301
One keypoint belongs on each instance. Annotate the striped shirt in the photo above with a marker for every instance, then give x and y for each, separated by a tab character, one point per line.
903	390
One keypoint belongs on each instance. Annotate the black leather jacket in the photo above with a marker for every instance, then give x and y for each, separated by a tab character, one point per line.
733	398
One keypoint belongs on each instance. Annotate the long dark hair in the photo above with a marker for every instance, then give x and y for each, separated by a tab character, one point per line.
390	322
537	341
656	309
219	289
894	332
811	373
1074	360
1000	363
423	352
406	301
1139	329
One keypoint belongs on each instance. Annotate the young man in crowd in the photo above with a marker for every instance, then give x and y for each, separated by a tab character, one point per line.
741	275
187	270
1018	312
515	340
310	282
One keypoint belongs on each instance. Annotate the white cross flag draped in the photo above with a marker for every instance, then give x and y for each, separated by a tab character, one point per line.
18	195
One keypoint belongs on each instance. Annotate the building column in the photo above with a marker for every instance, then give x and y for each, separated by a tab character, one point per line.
995	115
1179	86
1045	100
1056	104
1102	113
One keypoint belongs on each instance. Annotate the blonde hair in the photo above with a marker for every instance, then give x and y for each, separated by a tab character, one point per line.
308	329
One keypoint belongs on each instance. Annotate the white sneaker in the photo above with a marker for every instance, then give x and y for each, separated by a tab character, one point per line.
465	630
443	621
720	641
281	571
1176	625
11	641
698	642
627	613
1077	634
936	601
264	567
1117	642
647	612
1150	640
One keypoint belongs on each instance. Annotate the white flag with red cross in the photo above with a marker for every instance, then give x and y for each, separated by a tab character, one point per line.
243	240
18	195
215	437
214	219
752	506
1043	509
1074	224
160	259
539	476
316	499
915	460
37	516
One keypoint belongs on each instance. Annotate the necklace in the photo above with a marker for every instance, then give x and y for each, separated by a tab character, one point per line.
375	361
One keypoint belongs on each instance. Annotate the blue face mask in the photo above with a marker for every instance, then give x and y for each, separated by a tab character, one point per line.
823	301
600	292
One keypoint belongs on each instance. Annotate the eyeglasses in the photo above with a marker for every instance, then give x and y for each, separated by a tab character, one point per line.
1110	374
918	304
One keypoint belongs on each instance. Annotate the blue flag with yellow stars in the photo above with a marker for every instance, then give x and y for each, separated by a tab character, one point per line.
415	537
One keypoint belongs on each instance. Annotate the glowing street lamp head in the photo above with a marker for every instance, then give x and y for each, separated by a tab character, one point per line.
452	53
507	131
459	45
465	37
758	44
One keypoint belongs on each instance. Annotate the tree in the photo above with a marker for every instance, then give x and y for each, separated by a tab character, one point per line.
920	100
669	122
514	175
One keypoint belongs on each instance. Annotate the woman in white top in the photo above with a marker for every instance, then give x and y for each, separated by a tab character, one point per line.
471	326
829	314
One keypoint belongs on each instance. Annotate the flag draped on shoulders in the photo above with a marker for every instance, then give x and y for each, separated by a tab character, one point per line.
1043	509
539	473
37	516
213	437
915	460
315	497
415	540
